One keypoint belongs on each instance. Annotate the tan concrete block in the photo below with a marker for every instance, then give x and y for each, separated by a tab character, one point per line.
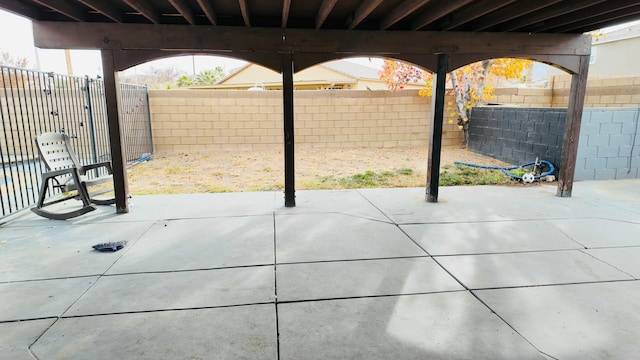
175	101
162	148
178	117
348	116
161	133
319	116
265	139
610	82
320	101
195	117
212	102
204	139
228	132
194	101
221	139
211	117
201	109
251	139
160	117
243	117
212	132
187	125
328	109
227	102
221	124
179	132
623	99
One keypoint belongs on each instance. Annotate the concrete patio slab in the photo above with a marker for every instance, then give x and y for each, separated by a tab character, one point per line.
211	277
40	299
157	291
334	201
478	203
574	322
488	237
323	237
432	326
623	258
191	206
16	337
192	244
330	280
164	207
529	269
61	250
594	233
242	332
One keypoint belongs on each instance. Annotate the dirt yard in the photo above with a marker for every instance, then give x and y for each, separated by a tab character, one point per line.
180	173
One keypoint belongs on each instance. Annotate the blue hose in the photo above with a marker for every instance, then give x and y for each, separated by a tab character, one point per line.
506	169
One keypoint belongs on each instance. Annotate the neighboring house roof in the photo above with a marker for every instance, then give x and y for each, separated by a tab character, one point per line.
352	69
339	71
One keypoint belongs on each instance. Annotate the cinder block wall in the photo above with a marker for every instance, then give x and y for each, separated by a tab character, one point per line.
608	148
202	120
601	91
518	135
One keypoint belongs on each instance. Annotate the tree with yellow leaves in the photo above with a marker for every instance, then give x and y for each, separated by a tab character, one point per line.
471	84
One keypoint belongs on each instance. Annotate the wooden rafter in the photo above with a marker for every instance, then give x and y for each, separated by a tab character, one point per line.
206	7
244	9
286	6
550	12
64	8
474	11
610	19
362	12
509	12
324	11
592	14
105	8
401	11
184	10
19	7
436	10
145	9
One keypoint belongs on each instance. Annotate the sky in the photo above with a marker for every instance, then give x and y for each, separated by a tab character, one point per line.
87	62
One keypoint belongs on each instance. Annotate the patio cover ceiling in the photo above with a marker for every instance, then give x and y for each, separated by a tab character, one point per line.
548	16
288	36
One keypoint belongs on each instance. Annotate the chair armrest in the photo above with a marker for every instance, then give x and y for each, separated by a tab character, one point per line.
50	174
105	164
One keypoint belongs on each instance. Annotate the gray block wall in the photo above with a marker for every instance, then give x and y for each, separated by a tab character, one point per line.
608	148
517	135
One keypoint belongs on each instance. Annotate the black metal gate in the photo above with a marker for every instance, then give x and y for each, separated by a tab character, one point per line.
33	102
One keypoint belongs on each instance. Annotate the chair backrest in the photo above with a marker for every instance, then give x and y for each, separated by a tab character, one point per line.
55	149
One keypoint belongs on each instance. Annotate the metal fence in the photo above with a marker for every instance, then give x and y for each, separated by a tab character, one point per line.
33	102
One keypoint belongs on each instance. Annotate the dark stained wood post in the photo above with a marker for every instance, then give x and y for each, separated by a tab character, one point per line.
437	117
289	155
572	129
118	158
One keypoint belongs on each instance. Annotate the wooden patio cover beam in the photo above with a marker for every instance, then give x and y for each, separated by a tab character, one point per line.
182	38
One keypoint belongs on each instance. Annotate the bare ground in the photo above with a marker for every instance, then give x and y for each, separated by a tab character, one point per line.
180	173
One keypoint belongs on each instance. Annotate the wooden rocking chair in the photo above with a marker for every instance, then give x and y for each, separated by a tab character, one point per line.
66	174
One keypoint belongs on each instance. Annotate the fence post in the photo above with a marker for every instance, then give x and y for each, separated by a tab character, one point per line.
92	132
